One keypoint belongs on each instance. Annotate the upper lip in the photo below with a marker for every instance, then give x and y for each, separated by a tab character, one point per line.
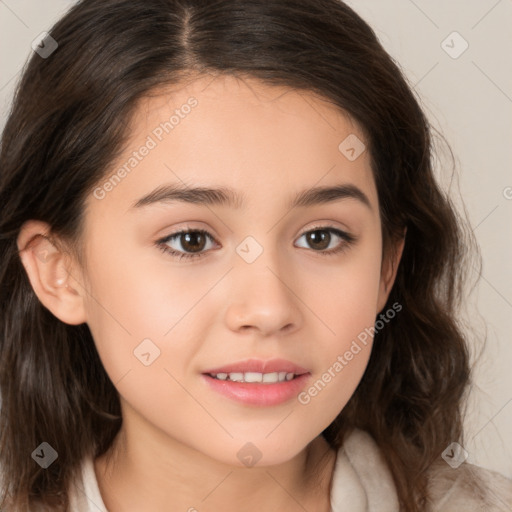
259	366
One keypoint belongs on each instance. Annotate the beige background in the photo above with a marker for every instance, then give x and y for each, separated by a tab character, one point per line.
469	99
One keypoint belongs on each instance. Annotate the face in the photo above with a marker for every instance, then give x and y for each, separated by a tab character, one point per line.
179	285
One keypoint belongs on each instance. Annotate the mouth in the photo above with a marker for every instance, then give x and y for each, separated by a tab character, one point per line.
250	370
258	383
263	378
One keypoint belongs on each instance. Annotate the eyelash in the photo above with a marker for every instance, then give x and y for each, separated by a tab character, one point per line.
162	243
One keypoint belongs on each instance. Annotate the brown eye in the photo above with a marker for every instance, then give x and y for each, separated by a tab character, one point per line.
318	239
191	243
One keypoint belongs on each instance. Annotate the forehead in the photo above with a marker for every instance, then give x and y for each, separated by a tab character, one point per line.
226	131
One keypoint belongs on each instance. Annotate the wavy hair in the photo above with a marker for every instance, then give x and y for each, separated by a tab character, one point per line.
69	121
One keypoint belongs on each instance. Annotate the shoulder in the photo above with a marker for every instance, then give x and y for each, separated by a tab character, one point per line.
468	488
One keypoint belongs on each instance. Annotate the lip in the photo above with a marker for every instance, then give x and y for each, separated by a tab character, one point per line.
259	366
261	395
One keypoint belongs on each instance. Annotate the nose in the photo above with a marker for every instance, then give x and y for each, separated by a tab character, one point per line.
263	298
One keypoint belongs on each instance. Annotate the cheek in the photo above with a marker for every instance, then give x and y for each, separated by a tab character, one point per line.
344	294
144	336
133	310
346	304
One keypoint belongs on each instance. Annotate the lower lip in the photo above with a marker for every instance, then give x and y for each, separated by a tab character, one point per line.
262	395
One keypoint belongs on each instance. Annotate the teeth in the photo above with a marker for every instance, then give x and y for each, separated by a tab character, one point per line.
253	377
265	378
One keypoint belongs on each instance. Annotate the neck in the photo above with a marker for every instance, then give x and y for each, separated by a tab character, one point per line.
142	472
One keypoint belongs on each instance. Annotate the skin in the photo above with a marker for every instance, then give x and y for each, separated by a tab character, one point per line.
177	449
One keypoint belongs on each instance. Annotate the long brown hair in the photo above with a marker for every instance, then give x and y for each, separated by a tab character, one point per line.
68	123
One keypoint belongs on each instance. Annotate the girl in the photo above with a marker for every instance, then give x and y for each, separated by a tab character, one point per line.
229	278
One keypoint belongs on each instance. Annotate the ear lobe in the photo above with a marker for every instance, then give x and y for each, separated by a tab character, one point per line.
48	270
389	270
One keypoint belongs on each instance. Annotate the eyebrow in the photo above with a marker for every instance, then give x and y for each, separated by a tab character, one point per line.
223	196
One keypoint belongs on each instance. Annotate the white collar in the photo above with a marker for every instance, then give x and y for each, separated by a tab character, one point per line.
361	480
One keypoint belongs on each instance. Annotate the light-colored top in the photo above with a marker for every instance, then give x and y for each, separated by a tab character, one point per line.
362	482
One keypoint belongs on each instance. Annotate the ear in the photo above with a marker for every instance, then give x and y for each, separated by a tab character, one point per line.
389	269
50	271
